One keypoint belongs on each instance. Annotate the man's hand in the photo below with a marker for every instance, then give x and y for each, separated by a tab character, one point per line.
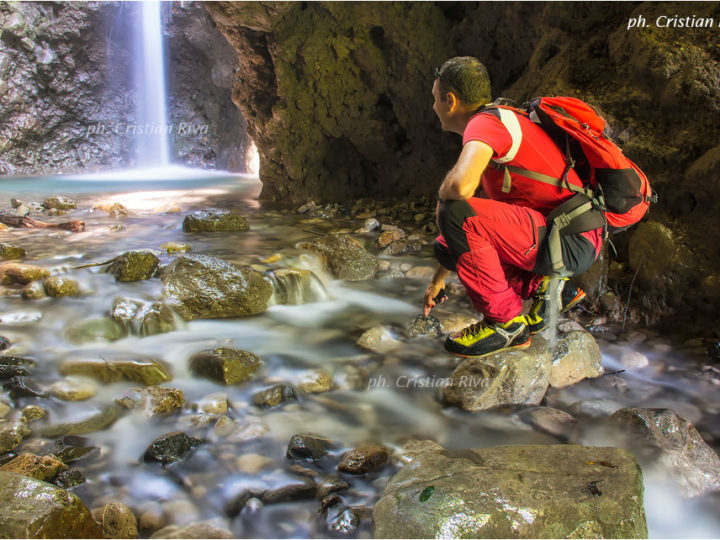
433	293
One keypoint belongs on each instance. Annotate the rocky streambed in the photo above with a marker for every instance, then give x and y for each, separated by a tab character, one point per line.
195	364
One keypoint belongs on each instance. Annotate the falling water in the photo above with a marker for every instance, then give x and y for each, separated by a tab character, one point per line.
152	126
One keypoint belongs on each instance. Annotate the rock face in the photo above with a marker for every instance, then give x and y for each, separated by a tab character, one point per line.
37	467
213	220
81	58
344	257
134	266
663	435
513	492
202	287
576	356
506	378
146	371
33	509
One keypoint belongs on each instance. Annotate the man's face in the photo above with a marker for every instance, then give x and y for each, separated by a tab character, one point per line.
441	105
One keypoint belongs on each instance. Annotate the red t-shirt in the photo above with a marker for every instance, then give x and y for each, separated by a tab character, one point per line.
536	152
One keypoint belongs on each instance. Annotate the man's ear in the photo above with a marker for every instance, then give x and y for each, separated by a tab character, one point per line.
452	100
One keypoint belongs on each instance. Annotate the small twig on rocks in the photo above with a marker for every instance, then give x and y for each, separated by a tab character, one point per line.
93	264
627	305
314	232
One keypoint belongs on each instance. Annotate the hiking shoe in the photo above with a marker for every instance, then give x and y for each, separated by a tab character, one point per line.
569	296
485	337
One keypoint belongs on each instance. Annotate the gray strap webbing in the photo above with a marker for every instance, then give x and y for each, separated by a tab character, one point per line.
546	179
558	224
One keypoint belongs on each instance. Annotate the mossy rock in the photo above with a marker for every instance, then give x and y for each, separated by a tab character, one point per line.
8	251
214	220
146	371
224	365
94	421
30	508
59	203
22	273
134	266
99	329
563	491
344	257
61	286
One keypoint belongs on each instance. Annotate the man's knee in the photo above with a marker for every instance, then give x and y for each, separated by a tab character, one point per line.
452	214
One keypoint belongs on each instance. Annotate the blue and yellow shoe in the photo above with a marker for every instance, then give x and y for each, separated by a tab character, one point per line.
568	297
485	337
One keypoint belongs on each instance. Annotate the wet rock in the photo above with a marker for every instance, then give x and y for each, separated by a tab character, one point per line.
224	365
369	225
193	530
4	343
224	426
315	381
4	409
505	378
198	286
364	459
304	489
59	203
378	339
61	286
24	387
344	257
22	273
455	322
552	421
175	247
662	435
171	447
655	250
38	467
142	370
420	272
99	329
33	291
295	286
396	248
71	448
151	520
94	421
423	326
11	435
12	366
214	404
345	523
180	511
477	493
33	412
389	237
73	389
30	508
112	209
274	396
253	463
9	251
154	400
306	446
214	220
595	408
118	521
143	318
576	357
134	266
69	479
634	360
252	428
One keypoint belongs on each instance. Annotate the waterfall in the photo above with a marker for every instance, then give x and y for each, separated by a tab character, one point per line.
152	124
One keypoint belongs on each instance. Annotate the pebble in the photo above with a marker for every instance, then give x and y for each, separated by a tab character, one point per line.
252	463
224	426
216	403
73	389
4	409
152	520
33	412
315	381
634	360
180	512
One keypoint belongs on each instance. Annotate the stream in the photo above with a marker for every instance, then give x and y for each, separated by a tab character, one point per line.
291	340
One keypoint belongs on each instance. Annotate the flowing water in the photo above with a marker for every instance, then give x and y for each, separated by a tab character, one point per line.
291	339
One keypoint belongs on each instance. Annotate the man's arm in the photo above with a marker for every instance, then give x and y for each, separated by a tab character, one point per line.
463	179
437	283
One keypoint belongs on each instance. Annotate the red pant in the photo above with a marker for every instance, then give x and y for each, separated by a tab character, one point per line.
493	246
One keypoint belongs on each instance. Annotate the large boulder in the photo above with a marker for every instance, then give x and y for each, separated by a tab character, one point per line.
214	219
30	508
224	365
554	491
202	287
661	435
576	356
344	257
506	378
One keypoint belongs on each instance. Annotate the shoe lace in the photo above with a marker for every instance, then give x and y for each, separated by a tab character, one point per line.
473	329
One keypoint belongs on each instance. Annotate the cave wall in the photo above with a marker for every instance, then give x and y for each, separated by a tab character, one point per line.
67	93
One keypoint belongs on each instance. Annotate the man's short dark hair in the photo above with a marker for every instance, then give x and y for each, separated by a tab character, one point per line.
467	78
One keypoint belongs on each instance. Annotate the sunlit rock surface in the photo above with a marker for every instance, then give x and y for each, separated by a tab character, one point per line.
202	287
554	491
